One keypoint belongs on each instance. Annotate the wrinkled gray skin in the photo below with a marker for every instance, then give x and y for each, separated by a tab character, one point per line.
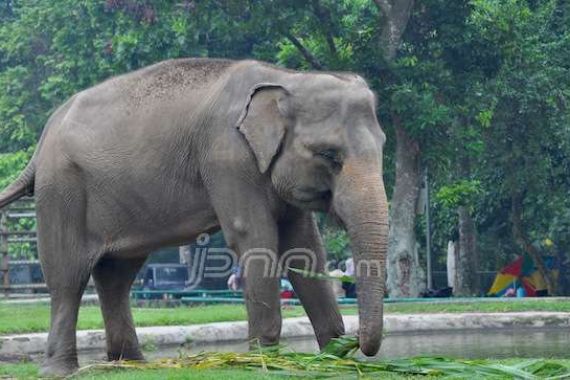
157	156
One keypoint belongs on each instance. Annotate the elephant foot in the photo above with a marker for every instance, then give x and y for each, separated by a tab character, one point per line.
264	343
58	368
324	337
131	355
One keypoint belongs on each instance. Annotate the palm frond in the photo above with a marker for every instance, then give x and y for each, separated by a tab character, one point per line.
328	365
322	276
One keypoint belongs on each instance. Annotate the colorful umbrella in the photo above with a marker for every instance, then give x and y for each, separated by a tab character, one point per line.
522	272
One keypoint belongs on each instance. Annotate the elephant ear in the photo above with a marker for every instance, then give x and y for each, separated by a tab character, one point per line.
263	122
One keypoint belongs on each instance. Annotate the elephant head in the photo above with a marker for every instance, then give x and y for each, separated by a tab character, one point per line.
318	138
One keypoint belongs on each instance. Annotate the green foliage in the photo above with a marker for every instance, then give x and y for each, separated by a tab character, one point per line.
507	91
325	365
11	164
247	367
527	138
461	193
336	242
342	347
483	87
484	118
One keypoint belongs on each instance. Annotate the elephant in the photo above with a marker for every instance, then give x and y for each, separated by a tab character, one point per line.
155	157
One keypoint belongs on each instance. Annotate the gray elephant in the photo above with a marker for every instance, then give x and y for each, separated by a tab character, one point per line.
155	157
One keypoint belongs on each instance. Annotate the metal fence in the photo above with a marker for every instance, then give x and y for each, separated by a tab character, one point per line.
23	272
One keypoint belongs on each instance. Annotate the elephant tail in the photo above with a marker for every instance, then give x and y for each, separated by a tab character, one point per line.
24	185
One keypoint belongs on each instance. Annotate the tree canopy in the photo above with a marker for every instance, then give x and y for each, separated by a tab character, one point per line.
480	89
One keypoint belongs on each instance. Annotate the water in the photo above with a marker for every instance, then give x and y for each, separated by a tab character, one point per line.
547	343
520	343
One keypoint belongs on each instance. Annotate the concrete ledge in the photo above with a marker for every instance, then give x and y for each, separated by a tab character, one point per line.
402	323
226	332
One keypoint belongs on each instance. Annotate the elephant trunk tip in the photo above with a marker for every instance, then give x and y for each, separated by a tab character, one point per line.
370	349
370	343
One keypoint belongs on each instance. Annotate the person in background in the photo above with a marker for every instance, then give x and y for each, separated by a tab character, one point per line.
337	285
349	287
234	281
521	292
511	292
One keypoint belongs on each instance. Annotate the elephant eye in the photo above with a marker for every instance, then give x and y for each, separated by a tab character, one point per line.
332	156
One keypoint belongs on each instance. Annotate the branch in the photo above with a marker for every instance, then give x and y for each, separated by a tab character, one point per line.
325	25
396	16
384	5
309	57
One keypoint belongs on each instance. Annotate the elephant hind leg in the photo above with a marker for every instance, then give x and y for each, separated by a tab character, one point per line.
61	353
113	280
66	263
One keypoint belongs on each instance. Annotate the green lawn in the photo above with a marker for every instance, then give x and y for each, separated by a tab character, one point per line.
275	366
175	374
491	305
35	318
30	371
21	318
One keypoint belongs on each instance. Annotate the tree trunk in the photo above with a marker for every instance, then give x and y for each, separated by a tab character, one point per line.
467	282
396	14
452	254
523	241
405	276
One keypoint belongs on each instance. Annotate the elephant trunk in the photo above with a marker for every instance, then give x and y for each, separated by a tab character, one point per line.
360	202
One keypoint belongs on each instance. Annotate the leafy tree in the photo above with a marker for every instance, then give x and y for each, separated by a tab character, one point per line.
476	91
527	156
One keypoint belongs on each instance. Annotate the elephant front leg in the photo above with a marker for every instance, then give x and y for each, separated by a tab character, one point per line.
255	240
247	214
262	298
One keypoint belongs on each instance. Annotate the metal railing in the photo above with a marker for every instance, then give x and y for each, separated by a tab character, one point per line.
23	209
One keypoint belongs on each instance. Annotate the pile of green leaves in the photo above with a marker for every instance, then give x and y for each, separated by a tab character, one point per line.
337	361
327	366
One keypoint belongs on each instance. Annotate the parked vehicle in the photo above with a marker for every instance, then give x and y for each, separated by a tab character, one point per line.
25	273
163	277
286	290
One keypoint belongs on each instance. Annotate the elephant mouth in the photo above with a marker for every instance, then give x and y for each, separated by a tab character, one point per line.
318	200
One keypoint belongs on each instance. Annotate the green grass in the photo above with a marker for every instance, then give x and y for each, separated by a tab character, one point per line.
22	318
19	371
484	306
30	371
35	318
285	365
179	373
